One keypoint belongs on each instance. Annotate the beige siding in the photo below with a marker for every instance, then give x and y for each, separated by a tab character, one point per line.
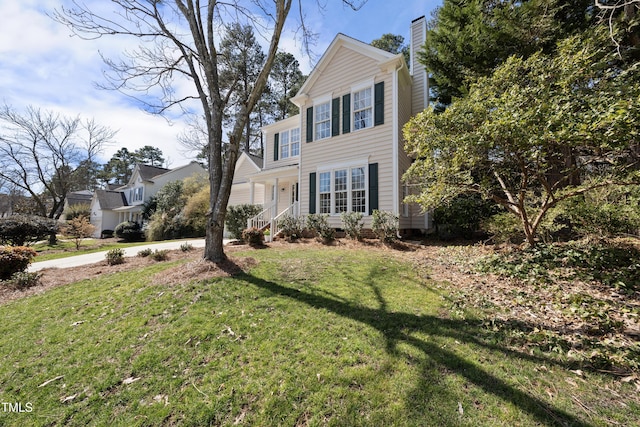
243	170
241	194
420	79
269	133
371	145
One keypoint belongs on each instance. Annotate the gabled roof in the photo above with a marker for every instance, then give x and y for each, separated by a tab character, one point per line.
259	161
148	172
79	197
111	199
381	56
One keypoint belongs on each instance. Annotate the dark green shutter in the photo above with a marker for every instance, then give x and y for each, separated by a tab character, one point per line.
373	187
309	124
312	193
276	146
335	117
346	113
378	104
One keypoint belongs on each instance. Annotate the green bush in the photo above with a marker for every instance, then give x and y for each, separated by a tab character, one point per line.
160	255
291	227
504	227
186	247
237	217
319	226
144	252
129	231
78	210
17	230
462	216
14	259
253	236
115	256
23	280
352	224
603	212
385	225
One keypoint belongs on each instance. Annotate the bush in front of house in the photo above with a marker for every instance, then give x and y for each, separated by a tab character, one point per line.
385	225
253	236
319	226
18	229
237	217
352	224
14	259
129	231
291	227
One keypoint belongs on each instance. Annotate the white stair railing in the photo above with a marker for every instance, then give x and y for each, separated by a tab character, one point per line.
293	210
263	219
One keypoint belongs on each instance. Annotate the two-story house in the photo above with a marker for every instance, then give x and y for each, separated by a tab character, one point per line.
344	151
111	207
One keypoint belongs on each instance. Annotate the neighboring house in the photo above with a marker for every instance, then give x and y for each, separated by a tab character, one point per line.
344	152
6	205
111	207
76	198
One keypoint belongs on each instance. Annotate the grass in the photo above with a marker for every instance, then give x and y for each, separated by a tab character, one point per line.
307	337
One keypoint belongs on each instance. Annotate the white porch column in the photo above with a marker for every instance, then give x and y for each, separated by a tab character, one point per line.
252	191
276	192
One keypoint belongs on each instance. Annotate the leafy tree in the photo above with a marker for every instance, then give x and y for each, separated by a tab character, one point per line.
40	151
393	43
120	167
506	139
79	228
241	64
285	81
179	45
468	39
149	155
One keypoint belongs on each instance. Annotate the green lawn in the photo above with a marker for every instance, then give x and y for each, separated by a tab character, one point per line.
309	336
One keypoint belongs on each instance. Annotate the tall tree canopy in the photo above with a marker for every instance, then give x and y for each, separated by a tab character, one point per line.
284	82
525	133
467	39
393	43
179	44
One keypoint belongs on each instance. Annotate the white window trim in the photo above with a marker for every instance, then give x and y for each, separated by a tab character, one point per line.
357	88
321	100
348	166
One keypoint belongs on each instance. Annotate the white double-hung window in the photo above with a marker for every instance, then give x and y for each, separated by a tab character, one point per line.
362	109
295	142
343	190
284	144
322	120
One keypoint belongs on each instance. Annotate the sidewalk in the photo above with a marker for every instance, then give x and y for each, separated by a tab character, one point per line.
78	260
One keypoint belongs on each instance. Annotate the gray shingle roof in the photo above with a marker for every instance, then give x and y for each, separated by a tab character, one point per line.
147	172
111	199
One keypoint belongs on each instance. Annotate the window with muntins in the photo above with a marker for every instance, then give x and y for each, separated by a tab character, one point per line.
362	109
325	192
295	142
323	120
284	144
343	190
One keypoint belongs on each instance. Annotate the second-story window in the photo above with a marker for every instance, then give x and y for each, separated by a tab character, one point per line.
362	109
284	144
323	120
295	142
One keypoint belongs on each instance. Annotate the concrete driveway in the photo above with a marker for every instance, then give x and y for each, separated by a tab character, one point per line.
78	260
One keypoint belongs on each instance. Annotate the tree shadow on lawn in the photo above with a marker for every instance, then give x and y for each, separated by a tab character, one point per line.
397	328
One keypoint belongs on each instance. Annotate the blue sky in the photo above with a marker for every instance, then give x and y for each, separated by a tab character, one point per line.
42	66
